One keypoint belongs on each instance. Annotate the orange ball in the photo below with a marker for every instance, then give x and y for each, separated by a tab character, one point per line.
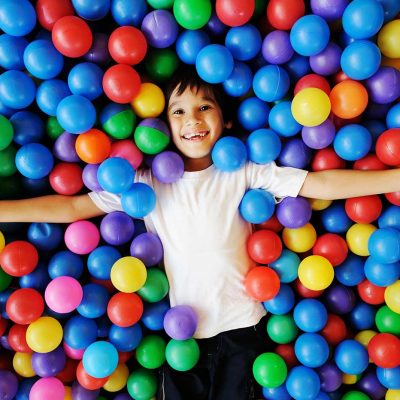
262	283
348	99
93	146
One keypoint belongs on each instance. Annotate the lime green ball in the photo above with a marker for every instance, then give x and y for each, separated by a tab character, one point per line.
156	286
6	132
152	136
269	370
355	395
387	321
281	328
53	128
7	161
5	280
160	4
182	355
151	352
192	14
121	124
142	384
161	64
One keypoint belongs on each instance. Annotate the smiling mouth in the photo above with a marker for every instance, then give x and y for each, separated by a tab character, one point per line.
195	136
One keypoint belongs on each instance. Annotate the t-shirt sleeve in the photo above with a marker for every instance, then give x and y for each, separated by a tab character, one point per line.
279	181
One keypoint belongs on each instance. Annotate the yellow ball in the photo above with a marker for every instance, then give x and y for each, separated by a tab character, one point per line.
392	394
44	335
318	204
68	393
357	238
311	107
128	274
117	379
2	241
389	39
365	336
348	379
392	297
316	272
22	363
149	102
300	239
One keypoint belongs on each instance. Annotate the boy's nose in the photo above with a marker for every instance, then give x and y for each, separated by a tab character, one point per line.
192	119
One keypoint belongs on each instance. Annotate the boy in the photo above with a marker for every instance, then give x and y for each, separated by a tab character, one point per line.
204	237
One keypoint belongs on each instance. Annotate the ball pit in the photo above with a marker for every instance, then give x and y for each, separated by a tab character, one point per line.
317	86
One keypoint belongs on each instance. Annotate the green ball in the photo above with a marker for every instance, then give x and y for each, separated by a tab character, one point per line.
192	14
151	352
11	187
5	280
142	384
152	136
120	125
269	370
355	395
387	321
160	4
53	128
7	161
182	355
259	8
6	132
161	64
281	328
156	286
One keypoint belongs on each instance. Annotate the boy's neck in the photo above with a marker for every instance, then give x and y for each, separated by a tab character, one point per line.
197	164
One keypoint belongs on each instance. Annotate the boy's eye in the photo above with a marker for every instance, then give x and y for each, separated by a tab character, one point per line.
177	112
205	107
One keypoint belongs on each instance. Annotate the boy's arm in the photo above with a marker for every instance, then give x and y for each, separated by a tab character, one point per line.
52	208
343	184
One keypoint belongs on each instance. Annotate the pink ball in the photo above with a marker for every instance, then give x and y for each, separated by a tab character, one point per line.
128	150
47	388
75	354
82	237
63	294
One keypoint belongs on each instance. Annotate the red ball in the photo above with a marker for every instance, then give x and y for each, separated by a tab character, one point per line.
369	163
327	159
364	209
121	83
125	356
286	351
387	147
66	178
19	258
127	45
335	330
262	283
234	12
384	350
282	14
312	81
88	381
50	11
3	325
339	77
370	293
393	197
331	246
72	36
17	338
272	224
25	306
68	373
125	309
264	246
304	292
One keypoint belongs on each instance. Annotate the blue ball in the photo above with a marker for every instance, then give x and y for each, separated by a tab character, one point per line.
80	332
42	59
85	79
17	89
28	127
129	12
263	146
297	67
100	359
282	303
309	35
295	153
257	206
390	217
362	316
17	18
303	383
94	301
115	175
271	83
375	127
286	266
310	315
360	59
65	263
229	154
139	201
281	120
239	81
277	393
351	357
34	160
189	43
393	116
38	279
389	377
45	236
352	142
334	218
91	9
50	93
351	271
125	339
214	63
12	51
380	273
311	349
101	260
384	245
391	9
76	114
244	42
153	315
253	113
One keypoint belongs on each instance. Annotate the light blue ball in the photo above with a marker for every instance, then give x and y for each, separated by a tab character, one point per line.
257	206
282	303
253	113
271	83
101	260
286	266
100	359
115	175
381	274
263	146
239	81
17	18
139	201
91	9
389	377
229	154
352	142
49	94
390	217
393	116
189	43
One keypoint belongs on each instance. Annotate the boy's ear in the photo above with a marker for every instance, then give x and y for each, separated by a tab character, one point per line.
228	125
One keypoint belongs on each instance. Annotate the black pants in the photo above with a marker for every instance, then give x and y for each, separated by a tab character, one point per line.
224	371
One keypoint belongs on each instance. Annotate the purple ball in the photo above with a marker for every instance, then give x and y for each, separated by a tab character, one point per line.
157	124
215	26
4	342
8	385
160	28
276	47
89	177
64	148
330	376
370	385
168	166
123	396
98	53
293	212
147	247
49	364
320	136
327	62
80	393
384	86
117	228
295	154
180	322
330	10
339	299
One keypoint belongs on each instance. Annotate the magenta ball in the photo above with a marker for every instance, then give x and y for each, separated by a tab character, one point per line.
293	212
82	237
168	166
47	388
180	322
320	136
117	228
63	294
147	247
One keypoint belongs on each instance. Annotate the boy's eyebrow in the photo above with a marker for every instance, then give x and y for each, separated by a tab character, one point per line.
206	98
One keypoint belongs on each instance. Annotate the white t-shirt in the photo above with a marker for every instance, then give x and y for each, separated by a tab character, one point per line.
204	238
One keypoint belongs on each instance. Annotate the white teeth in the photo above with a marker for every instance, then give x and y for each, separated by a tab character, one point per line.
193	135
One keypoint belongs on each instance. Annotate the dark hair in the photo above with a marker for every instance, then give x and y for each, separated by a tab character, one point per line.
187	77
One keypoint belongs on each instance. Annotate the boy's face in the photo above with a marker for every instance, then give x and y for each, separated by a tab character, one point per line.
196	123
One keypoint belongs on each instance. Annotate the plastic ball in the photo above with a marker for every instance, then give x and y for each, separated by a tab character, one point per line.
19	258
281	120
34	160
24	306
125	338
334	330
295	154
264	246
149	102
388	39
152	135
262	283
44	335
253	113
12	51
114	167
48	12
300	239
118	120
311	349
351	357
85	79
117	379
239	81
384	350
93	146
117	228
17	19
271	83
389	377
47	387
387	146
100	359
387	321
244	42
229	154
63	294
392	297
269	370
257	206
357	238
303	383
167	166
384	86
384	245
283	14
49	94
263	146
282	303
66	178
180	322
182	355
160	28
365	209
64	147
124	309
276	47
293	212
17	89
139	201
49	364
142	384
327	62
94	301
9	384
192	14
126	12
153	315
82	237
332	247
310	315
128	274
65	263
312	81
156	286
286	266
189	43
